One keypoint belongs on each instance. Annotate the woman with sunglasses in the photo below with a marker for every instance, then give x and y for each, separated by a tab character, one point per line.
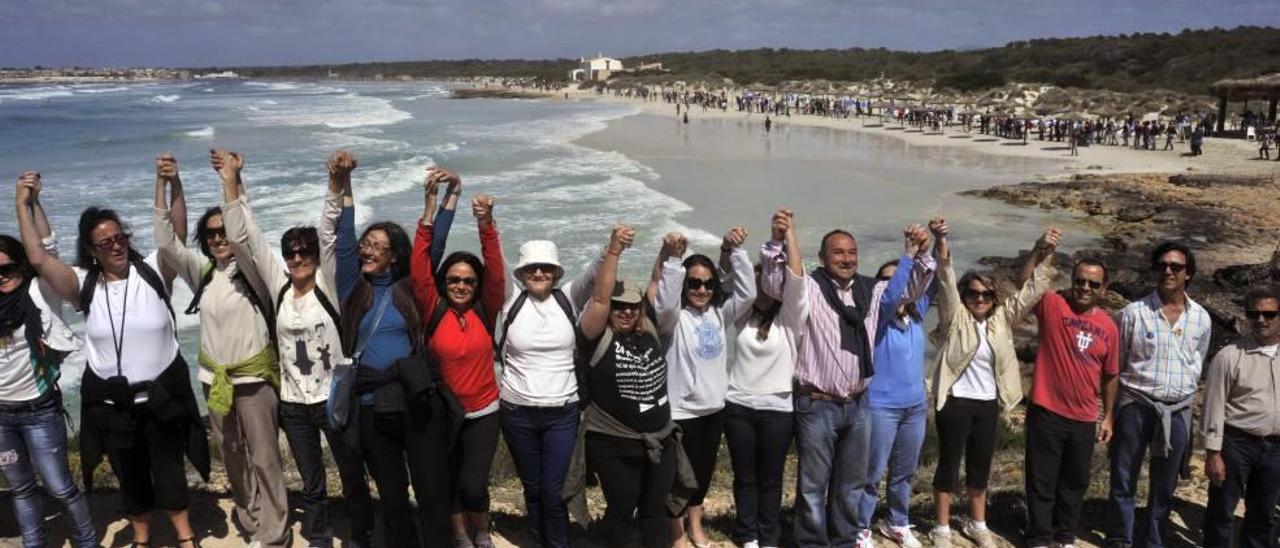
309	343
33	343
137	406
539	384
238	360
977	374
693	313
398	438
461	301
630	440
758	411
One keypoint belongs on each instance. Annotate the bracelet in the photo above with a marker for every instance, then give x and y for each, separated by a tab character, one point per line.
614	253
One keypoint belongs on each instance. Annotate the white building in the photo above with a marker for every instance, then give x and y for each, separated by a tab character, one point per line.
596	68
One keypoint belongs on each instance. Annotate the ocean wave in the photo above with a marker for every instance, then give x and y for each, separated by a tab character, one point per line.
552	130
344	111
35	94
204	132
165	99
271	86
97	90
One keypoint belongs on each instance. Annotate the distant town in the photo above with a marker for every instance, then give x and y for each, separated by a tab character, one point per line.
104	74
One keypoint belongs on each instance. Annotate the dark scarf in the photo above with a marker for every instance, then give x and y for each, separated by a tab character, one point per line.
853	329
18	310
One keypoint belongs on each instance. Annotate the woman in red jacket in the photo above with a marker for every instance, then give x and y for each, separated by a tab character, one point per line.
461	302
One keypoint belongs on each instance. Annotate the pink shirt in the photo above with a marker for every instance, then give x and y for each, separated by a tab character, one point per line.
822	363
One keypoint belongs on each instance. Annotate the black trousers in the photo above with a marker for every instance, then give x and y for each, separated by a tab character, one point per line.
966	429
758	445
702	444
1058	457
1253	473
152	473
303	424
470	463
633	487
419	438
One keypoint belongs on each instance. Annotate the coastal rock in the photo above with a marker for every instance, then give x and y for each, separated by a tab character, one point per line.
1136	214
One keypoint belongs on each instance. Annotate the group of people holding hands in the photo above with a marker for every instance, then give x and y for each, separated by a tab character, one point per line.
411	362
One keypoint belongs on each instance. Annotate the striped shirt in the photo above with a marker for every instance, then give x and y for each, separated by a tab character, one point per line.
1160	360
822	363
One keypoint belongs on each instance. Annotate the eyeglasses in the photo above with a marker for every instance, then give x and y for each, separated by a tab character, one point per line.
539	267
624	307
302	251
368	245
1172	267
121	239
1259	315
455	280
10	271
1083	283
219	232
693	284
975	295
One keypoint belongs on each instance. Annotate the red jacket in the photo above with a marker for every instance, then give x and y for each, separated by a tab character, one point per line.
465	354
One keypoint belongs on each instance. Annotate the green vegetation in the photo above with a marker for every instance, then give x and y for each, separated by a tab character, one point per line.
1187	61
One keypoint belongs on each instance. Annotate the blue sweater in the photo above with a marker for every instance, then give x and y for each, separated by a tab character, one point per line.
899	351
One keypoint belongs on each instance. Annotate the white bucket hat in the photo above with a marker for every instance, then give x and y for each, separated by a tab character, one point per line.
539	252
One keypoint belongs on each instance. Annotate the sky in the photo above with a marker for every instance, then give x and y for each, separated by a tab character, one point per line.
201	33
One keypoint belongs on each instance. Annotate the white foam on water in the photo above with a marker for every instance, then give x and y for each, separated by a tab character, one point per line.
165	99
98	90
557	130
401	176
202	133
41	93
339	111
271	86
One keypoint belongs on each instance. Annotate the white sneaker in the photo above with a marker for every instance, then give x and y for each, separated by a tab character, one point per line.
940	538
751	544
980	537
865	540
900	535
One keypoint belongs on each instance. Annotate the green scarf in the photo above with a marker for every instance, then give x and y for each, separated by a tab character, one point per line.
262	365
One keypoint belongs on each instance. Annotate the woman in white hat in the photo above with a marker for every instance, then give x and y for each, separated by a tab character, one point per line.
539	390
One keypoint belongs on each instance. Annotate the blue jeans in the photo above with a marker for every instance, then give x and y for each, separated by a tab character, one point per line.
896	438
1134	430
34	440
1253	473
541	441
831	442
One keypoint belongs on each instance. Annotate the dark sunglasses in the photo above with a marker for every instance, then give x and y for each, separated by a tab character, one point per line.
111	242
624	307
10	270
1091	284
455	280
220	232
299	251
539	267
974	295
1173	267
1258	315
693	284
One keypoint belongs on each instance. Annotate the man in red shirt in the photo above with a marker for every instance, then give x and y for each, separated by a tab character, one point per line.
1078	359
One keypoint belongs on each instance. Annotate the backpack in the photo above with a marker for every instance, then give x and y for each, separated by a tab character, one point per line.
145	271
561	299
437	315
250	294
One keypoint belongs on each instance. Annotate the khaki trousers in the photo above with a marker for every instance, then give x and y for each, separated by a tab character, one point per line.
248	438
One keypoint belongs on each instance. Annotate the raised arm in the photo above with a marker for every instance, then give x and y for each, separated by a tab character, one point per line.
174	257
595	317
741	276
442	221
580	288
252	252
60	277
923	265
671	284
795	289
1041	270
774	256
494	288
343	230
167	175
947	294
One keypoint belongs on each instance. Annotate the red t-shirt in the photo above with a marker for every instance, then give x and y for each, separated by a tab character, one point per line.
1076	350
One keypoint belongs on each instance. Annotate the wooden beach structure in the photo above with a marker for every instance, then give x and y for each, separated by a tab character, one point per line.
1261	88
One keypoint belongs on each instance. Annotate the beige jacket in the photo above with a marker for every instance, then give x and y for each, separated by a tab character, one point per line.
956	336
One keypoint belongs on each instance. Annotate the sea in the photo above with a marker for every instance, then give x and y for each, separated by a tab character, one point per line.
559	170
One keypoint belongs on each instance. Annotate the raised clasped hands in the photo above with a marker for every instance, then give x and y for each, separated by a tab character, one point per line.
621	238
340	164
674	244
227	163
28	189
167	168
736	237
